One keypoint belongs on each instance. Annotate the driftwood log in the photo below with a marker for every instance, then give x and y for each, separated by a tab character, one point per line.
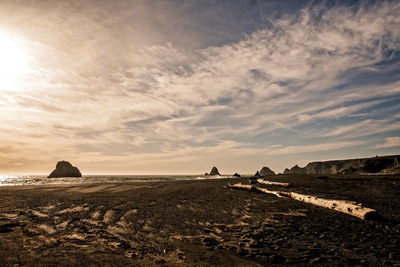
257	189
241	186
262	181
344	206
272	192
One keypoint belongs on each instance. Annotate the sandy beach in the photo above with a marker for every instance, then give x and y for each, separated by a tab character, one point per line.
198	223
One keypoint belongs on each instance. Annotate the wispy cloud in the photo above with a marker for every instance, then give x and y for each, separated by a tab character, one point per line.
313	148
390	142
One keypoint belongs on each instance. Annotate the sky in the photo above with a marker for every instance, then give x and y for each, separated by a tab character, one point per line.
179	86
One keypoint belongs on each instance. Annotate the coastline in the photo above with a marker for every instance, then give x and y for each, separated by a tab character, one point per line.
197	222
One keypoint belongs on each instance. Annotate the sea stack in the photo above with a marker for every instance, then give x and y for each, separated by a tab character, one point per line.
65	169
266	171
214	171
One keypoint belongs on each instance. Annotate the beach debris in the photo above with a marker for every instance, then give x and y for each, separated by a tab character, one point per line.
272	192
241	186
253	188
65	169
345	206
262	181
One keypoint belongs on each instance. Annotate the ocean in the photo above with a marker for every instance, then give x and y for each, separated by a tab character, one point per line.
9	180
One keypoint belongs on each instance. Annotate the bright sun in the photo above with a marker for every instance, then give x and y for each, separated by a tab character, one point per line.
14	62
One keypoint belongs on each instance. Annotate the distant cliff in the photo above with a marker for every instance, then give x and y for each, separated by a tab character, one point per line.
384	164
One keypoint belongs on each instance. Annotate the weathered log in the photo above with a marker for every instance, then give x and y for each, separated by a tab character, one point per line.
240	186
345	206
266	191
262	181
258	189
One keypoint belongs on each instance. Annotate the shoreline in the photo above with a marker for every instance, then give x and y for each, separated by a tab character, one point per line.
35	180
197	222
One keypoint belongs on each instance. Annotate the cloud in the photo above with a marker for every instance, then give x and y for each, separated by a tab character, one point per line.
123	89
313	148
390	142
363	128
300	73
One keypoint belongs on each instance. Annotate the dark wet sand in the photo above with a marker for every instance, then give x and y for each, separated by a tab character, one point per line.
198	223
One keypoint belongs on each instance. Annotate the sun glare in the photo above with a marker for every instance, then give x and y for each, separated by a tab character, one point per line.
14	62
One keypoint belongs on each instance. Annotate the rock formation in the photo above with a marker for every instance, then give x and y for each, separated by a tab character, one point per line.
214	171
294	170
384	164
394	168
65	169
257	174
236	174
266	171
253	179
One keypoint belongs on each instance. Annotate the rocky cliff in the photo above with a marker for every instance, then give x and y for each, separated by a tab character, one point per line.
384	164
65	169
